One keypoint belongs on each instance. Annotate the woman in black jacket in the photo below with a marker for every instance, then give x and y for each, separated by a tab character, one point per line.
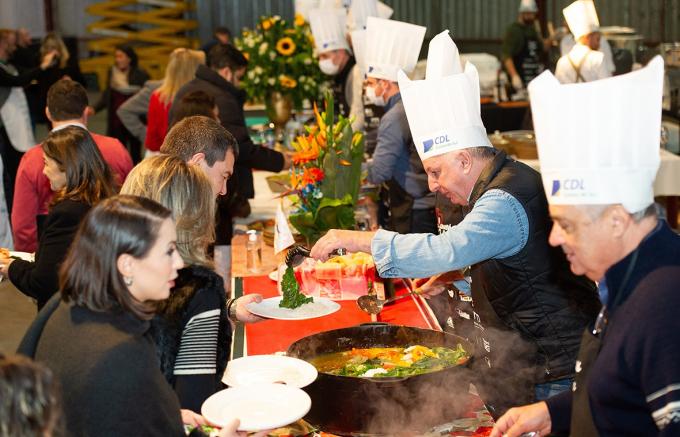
80	178
125	79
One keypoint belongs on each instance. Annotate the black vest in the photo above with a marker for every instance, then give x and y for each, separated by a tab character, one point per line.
532	293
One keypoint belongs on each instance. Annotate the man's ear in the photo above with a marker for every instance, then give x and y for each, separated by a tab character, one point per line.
619	220
197	158
48	115
465	159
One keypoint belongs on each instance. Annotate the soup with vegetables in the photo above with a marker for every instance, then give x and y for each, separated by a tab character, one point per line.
390	361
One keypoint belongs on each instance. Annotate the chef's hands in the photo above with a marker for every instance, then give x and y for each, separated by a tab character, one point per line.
517	83
434	285
231	430
242	313
353	241
519	420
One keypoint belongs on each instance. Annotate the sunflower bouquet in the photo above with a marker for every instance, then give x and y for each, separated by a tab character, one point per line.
326	174
281	59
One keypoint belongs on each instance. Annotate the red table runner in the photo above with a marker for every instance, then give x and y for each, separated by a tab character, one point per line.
272	336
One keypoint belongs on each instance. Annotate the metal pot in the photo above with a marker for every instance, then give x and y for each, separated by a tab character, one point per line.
383	406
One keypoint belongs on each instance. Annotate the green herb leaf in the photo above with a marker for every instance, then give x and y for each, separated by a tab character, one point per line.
292	298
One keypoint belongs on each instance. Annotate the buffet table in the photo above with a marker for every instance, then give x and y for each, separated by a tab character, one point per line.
274	336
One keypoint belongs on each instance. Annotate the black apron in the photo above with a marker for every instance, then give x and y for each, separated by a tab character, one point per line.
504	378
582	422
528	61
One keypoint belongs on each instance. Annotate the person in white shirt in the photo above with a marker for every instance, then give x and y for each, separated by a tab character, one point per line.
584	62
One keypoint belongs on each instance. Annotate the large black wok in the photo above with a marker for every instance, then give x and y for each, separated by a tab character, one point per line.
388	406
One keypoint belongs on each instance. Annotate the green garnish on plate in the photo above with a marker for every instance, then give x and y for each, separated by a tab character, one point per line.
292	298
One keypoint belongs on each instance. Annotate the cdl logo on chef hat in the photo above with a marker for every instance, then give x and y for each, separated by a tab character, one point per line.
438	142
567	187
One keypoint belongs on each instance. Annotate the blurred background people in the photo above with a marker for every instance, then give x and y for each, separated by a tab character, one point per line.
125	79
195	103
221	35
524	47
80	178
180	70
67	105
584	62
16	131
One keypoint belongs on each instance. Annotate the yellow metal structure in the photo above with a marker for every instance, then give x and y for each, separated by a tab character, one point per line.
153	27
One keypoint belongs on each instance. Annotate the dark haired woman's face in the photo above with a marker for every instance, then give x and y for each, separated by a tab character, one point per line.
122	60
154	275
54	174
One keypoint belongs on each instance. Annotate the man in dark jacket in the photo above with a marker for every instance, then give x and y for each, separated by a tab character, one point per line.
627	375
528	309
220	79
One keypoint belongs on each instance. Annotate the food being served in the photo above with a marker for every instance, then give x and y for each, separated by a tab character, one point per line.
390	361
292	298
341	277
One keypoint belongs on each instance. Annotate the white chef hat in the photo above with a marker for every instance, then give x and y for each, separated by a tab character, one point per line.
359	11
302	7
384	11
443	110
391	46
598	142
359	49
328	28
581	18
528	6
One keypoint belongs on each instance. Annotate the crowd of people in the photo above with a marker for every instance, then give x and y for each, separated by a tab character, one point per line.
574	273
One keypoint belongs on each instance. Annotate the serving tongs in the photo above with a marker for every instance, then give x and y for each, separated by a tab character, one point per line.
297	254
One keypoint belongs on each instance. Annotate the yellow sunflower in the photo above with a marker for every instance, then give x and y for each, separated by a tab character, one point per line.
285	46
299	20
266	24
287	82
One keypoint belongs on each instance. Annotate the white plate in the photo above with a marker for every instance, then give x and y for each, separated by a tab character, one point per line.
270	309
274	276
258	407
269	369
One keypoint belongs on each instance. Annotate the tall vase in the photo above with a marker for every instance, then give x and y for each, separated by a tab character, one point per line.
279	108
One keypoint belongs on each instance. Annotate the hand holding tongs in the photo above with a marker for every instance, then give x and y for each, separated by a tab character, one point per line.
298	253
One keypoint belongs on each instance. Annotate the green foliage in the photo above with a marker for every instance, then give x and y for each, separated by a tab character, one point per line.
292	298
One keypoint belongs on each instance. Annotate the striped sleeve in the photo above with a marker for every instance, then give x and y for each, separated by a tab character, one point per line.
665	406
198	348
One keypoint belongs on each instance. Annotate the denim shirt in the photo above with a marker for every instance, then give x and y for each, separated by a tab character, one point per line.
497	227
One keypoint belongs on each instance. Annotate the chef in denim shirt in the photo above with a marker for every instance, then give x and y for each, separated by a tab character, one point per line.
392	46
529	308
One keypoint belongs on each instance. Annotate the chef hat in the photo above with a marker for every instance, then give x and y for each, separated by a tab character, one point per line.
328	28
359	49
443	110
581	18
302	7
528	6
384	11
359	11
391	46
598	142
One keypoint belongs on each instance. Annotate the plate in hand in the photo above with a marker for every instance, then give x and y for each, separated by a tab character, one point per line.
258	407
269	369
269	308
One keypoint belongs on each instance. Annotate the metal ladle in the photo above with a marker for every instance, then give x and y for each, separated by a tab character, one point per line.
372	305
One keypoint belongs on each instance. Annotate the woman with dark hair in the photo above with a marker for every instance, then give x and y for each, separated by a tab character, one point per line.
125	79
29	399
96	339
80	178
191	329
